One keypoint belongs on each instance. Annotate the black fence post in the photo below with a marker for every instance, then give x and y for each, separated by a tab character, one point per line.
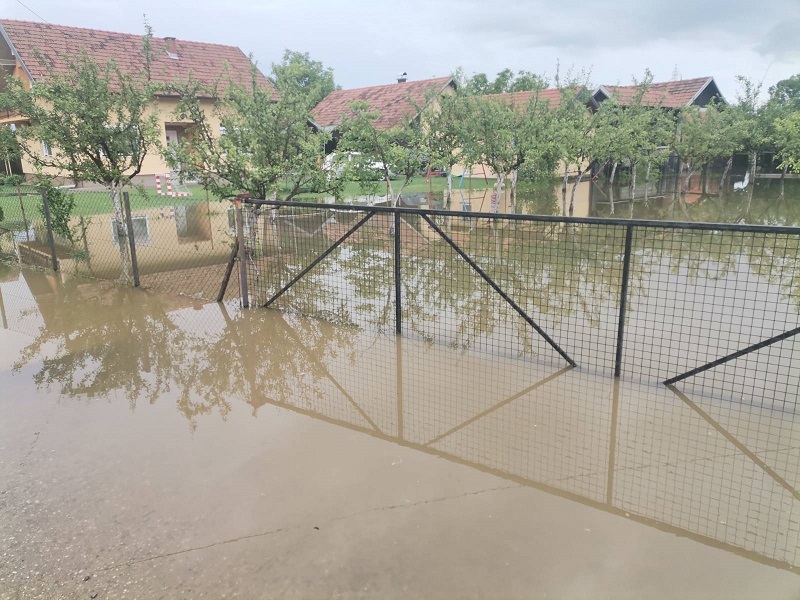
126	200
398	307
228	271
623	298
237	203
50	239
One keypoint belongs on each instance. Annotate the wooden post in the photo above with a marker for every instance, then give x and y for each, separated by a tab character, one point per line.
228	271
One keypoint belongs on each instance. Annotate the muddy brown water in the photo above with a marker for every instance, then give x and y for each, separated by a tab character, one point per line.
159	446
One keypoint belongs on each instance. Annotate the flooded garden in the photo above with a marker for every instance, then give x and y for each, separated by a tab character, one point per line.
477	396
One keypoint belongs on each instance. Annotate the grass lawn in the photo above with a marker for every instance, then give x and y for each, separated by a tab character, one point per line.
93	202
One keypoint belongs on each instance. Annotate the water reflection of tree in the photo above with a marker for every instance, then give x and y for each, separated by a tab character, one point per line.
134	347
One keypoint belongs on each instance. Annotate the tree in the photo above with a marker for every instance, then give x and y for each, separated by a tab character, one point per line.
493	136
367	149
574	125
443	136
787	92
505	81
787	141
705	135
265	145
98	121
637	132
297	75
753	122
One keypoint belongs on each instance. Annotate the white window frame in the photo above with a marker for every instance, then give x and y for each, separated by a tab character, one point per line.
47	151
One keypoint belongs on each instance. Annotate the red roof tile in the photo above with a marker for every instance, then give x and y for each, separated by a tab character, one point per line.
669	94
204	62
520	100
396	102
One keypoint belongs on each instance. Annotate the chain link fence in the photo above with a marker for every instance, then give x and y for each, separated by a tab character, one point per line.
182	244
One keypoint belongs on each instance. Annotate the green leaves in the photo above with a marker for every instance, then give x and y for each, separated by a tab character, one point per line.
99	121
261	145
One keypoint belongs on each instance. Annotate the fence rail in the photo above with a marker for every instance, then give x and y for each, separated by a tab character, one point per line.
711	307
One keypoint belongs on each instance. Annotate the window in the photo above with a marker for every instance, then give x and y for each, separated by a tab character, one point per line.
141	230
46	151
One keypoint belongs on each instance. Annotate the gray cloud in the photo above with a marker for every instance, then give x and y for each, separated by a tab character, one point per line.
368	41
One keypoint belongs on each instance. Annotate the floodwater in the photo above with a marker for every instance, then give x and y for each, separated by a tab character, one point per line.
159	446
768	202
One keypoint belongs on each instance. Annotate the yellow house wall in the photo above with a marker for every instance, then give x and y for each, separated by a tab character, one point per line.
154	162
165	250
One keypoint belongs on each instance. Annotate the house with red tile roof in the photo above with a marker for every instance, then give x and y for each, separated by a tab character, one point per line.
31	51
668	94
520	100
398	103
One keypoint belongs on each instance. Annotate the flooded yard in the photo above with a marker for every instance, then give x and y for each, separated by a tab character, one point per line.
156	445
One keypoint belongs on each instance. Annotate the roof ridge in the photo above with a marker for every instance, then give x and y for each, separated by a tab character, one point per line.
123	33
654	83
369	87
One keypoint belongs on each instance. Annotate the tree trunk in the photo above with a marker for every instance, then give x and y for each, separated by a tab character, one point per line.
22	210
513	191
574	188
125	277
390	192
783	182
689	173
448	201
633	183
647	183
613	173
752	186
725	173
498	190
565	180
611	208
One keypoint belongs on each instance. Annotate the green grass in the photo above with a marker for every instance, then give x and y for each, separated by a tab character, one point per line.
94	202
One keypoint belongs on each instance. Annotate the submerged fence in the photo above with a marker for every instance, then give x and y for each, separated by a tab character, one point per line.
181	244
709	308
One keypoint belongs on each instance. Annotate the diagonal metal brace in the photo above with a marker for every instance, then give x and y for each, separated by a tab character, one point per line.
734	355
499	290
319	259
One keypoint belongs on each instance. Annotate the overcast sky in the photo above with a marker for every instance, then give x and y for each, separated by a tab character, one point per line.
369	43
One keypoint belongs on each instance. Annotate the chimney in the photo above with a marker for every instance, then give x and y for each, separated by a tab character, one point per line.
402	78
172	47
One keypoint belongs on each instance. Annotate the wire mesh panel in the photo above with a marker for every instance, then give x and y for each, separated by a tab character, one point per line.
23	232
320	262
547	289
705	294
565	277
183	244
